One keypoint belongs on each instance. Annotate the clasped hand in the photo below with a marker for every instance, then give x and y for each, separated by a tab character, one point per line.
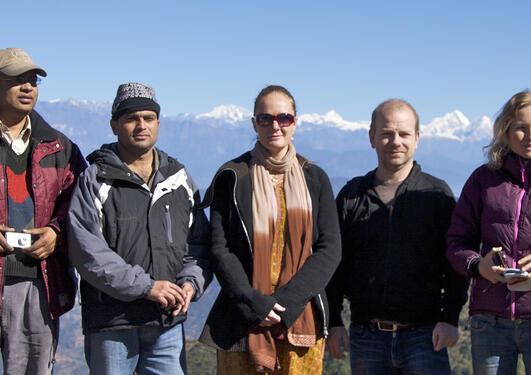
273	318
171	297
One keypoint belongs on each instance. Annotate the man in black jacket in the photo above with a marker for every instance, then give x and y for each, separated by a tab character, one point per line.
139	243
404	298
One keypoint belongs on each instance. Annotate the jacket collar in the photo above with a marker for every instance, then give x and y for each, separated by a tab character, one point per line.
110	166
237	168
368	179
515	165
41	131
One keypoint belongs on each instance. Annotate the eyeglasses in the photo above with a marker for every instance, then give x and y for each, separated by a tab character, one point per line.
283	119
20	80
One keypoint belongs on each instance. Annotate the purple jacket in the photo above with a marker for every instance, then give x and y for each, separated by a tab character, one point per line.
494	209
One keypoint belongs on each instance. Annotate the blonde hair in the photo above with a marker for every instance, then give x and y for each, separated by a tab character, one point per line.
271	89
498	147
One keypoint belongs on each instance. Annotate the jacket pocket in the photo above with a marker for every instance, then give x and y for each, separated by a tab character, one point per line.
167	216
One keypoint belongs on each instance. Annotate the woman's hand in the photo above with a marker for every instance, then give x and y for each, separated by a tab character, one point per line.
272	318
489	270
525	262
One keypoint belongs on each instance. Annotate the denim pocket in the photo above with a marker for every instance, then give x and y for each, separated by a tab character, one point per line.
480	322
358	330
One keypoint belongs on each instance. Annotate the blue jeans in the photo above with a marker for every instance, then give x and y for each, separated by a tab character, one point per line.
496	343
374	352
148	350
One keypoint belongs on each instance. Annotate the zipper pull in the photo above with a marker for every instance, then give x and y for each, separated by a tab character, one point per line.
486	288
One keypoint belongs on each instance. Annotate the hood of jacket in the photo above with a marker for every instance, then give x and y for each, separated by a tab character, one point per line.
110	166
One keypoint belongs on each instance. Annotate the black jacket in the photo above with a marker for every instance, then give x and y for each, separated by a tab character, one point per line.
123	236
239	306
393	264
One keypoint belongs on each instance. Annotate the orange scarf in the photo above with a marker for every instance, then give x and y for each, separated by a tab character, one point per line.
298	243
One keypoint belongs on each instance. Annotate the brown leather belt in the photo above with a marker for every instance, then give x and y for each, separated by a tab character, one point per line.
388	325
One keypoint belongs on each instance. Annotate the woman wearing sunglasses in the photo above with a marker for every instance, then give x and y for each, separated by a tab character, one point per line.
275	245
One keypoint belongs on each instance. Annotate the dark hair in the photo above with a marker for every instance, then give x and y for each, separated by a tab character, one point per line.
271	89
393	104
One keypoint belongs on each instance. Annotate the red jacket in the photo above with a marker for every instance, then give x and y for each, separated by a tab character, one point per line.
55	164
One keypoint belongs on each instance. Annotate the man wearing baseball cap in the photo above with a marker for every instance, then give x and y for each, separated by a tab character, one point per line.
139	242
38	169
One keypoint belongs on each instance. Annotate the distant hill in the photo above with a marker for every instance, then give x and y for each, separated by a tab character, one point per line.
450	145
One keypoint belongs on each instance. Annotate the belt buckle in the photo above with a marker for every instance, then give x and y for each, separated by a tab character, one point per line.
386	326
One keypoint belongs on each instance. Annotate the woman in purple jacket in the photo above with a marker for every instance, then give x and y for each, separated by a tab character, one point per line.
491	231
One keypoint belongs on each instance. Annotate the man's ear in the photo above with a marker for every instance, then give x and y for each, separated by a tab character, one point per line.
114	126
371	137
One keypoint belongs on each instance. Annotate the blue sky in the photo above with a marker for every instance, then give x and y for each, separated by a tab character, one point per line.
341	55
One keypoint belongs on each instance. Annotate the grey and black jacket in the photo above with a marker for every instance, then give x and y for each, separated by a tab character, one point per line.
239	306
123	236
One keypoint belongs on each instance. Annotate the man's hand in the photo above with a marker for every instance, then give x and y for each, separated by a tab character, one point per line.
444	335
188	289
489	270
272	318
45	244
167	294
337	342
4	246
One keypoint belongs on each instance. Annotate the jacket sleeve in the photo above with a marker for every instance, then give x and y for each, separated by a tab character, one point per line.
454	285
335	291
253	305
69	175
318	269
98	264
464	234
196	263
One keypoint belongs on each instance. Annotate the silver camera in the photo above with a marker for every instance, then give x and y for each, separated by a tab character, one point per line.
15	239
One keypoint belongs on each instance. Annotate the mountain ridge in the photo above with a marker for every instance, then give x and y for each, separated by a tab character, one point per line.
453	125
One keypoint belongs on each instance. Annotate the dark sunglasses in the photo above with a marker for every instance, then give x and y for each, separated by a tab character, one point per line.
21	80
283	119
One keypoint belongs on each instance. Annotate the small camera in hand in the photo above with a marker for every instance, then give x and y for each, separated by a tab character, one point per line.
16	239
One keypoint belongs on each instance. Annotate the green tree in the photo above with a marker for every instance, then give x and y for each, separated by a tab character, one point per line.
200	359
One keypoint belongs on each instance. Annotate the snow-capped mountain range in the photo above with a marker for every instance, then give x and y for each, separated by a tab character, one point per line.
453	125
450	146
